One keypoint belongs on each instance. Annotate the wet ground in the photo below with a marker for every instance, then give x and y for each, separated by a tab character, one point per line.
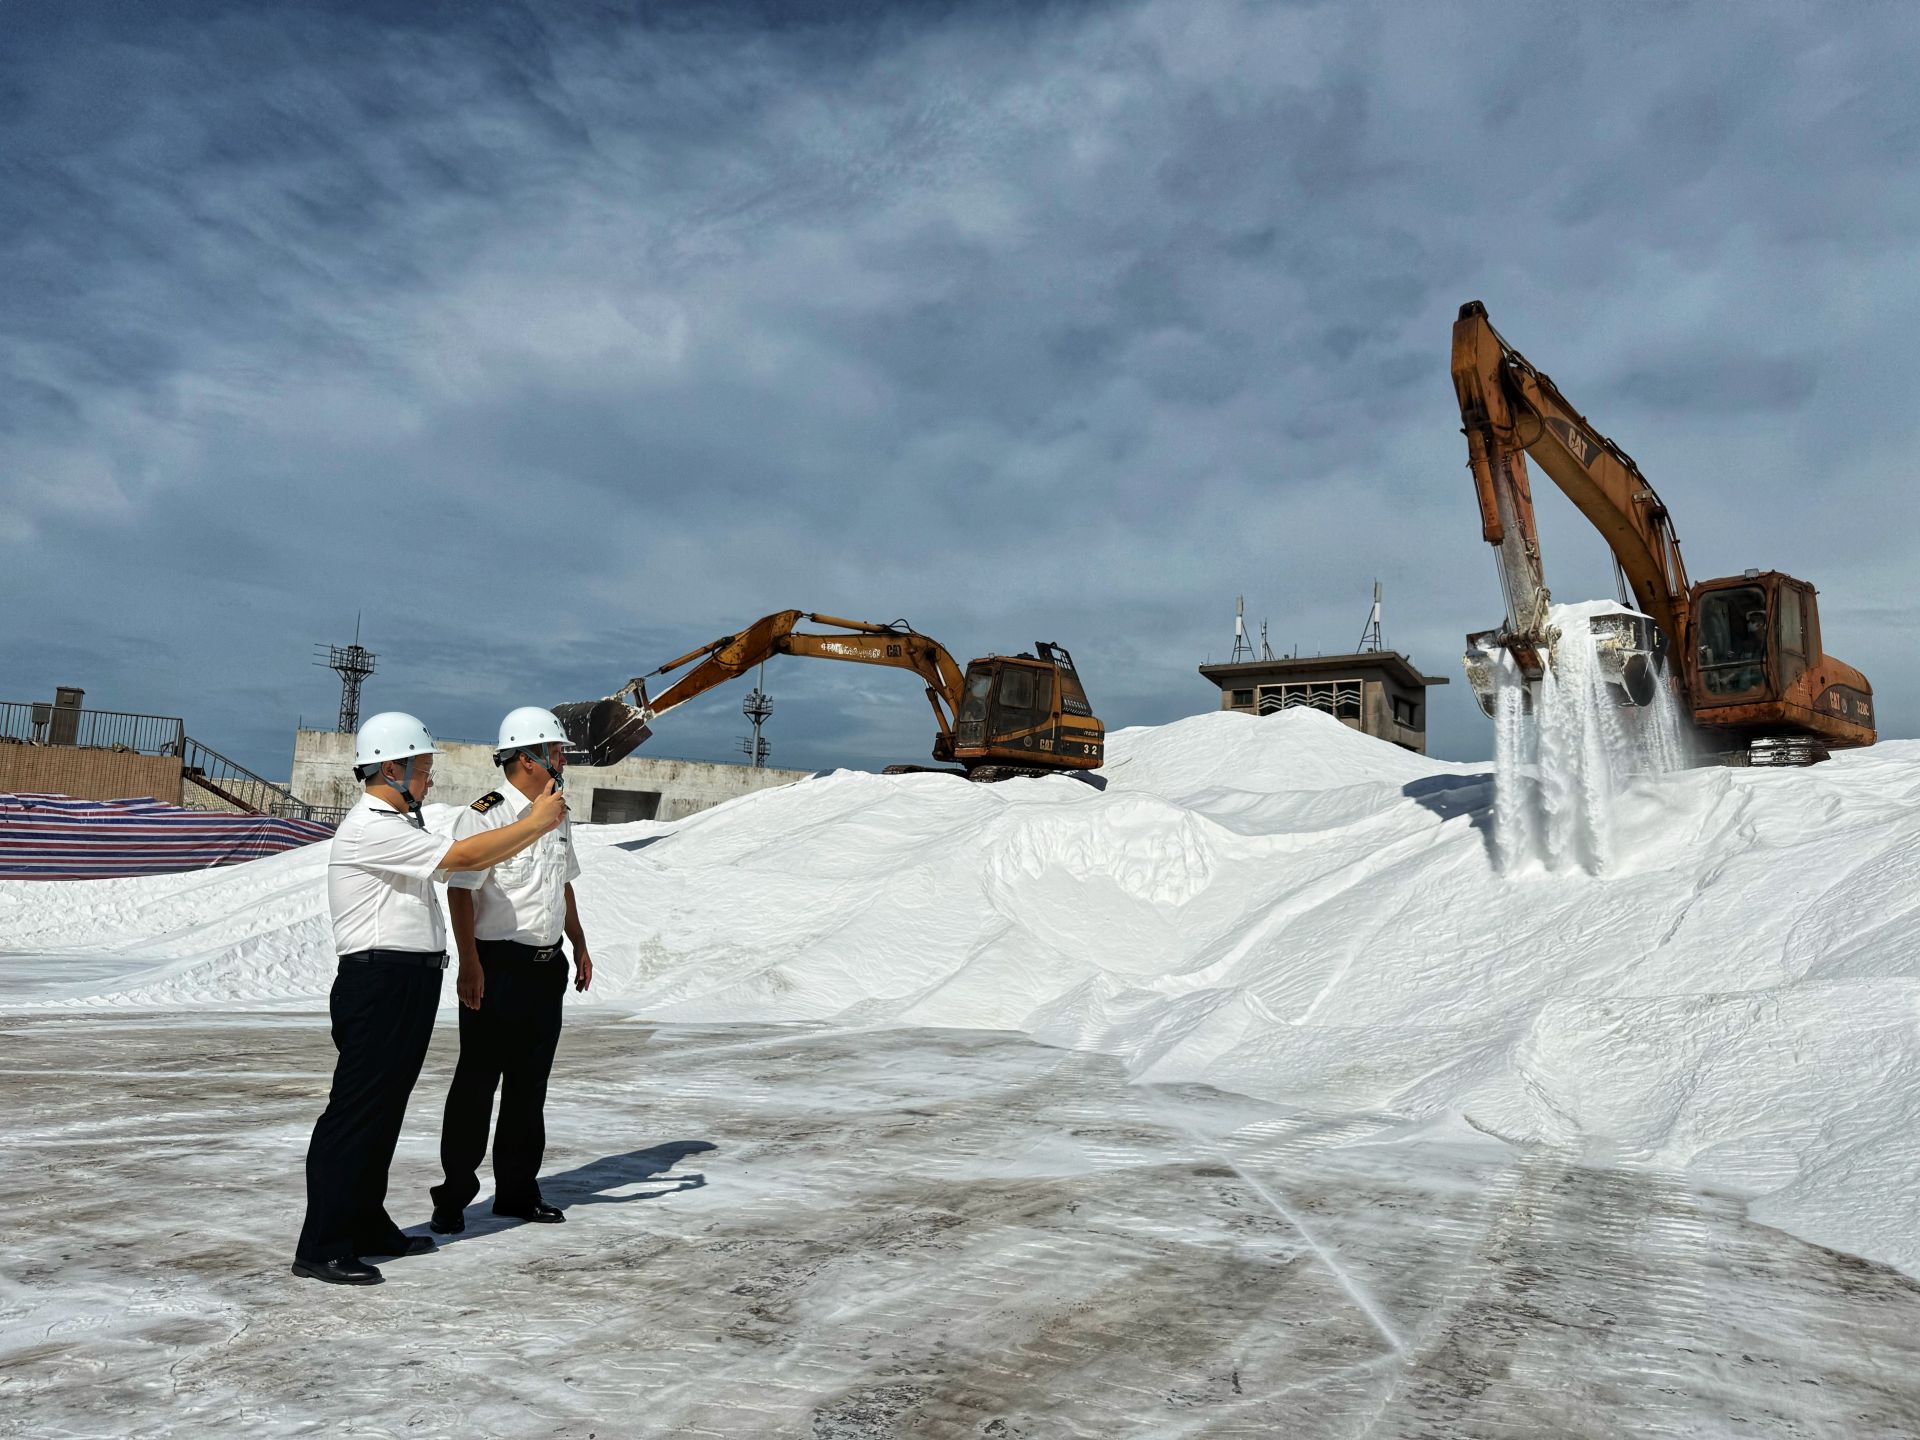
794	1232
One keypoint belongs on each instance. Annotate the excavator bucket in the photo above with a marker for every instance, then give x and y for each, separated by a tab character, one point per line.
1631	650
600	732
1628	646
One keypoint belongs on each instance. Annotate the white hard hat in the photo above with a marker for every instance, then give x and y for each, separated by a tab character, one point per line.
390	735
529	726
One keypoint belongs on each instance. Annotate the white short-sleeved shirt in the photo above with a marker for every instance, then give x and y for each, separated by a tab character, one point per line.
524	898
380	875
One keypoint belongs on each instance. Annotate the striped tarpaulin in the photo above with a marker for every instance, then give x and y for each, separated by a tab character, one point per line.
53	837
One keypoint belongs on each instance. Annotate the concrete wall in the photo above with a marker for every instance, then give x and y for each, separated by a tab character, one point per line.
323	775
88	774
1380	721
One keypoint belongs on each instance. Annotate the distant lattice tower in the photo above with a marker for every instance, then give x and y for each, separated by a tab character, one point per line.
757	707
1370	642
353	663
1242	647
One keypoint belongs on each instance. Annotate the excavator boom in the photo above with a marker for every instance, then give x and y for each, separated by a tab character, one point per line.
1511	410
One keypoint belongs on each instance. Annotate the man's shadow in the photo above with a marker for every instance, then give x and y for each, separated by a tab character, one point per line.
610	1180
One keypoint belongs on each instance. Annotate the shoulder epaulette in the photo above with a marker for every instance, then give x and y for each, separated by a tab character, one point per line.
487	801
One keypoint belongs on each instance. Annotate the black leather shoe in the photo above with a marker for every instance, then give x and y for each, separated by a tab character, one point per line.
348	1270
447	1222
541	1213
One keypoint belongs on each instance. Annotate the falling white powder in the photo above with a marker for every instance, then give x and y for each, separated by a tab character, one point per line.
1560	762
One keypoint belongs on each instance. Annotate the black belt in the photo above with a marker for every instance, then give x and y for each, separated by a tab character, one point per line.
432	959
526	951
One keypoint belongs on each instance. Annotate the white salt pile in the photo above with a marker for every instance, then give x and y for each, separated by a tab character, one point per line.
1278	906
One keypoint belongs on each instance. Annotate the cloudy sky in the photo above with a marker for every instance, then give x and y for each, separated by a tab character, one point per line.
553	340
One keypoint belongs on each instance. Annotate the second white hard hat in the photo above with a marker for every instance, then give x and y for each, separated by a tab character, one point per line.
529	725
391	735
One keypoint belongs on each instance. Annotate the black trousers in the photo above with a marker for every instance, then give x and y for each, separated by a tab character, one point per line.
382	1024
508	1042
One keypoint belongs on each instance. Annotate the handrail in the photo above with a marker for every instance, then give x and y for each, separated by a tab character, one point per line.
28	722
232	782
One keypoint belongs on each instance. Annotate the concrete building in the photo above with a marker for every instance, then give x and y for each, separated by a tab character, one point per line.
635	789
1377	692
62	748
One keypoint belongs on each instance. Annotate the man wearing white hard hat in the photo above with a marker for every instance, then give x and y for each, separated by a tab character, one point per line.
392	946
507	928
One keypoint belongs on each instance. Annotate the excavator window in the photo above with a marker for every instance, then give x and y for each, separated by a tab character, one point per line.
1016	689
1733	640
973	706
1792	640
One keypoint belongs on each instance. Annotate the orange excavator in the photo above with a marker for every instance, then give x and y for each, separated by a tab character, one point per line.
1006	716
1742	653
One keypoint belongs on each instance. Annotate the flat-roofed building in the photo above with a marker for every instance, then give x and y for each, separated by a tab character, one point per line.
1377	692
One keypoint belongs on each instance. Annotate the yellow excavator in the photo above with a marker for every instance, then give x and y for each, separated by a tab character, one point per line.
1005	716
1743	653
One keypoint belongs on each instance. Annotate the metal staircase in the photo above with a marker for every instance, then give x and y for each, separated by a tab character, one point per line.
235	785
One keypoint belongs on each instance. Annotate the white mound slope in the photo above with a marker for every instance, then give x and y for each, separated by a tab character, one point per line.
1277	906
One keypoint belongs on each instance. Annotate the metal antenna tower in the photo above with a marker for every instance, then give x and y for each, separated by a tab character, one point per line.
1242	647
1266	650
1370	636
353	663
757	707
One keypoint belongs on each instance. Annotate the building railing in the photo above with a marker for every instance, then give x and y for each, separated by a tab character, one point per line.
227	781
35	722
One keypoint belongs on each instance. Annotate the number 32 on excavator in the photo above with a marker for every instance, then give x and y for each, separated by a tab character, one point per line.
1742	653
1006	716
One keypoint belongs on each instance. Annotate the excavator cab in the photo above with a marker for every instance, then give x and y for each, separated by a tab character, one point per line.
1026	709
1758	669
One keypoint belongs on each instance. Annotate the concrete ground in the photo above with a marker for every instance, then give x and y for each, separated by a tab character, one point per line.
803	1232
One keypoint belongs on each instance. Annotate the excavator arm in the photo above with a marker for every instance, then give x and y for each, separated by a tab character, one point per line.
1509	410
604	731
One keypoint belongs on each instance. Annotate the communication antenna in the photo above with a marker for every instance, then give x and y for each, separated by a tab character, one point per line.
757	707
1370	636
1242	647
353	663
1266	650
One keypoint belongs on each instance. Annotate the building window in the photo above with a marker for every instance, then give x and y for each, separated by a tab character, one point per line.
617	807
1406	712
1242	700
1338	698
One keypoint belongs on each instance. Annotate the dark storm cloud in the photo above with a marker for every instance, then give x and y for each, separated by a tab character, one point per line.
1720	384
558	339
